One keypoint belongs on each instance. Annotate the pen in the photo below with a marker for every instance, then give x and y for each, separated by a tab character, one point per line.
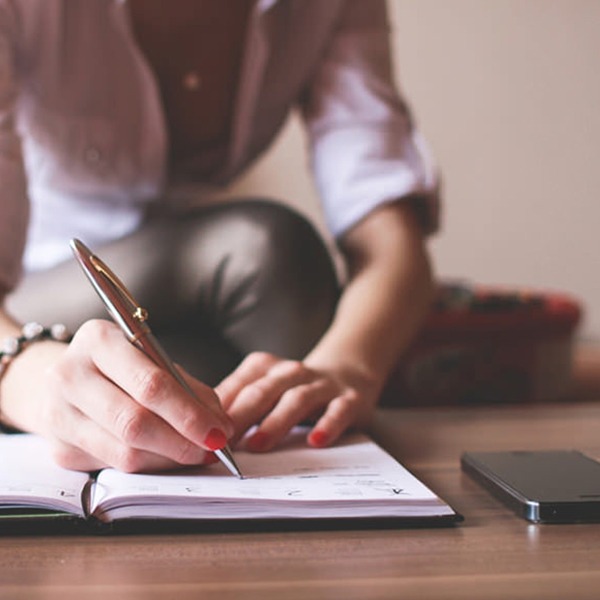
132	319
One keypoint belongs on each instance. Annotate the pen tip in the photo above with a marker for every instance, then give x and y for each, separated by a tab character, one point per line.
78	247
227	459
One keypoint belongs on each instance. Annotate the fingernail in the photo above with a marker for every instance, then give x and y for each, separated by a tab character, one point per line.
318	438
215	440
258	441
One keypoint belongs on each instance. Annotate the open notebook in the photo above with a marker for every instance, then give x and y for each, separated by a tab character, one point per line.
355	479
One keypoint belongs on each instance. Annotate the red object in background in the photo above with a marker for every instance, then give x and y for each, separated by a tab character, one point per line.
485	345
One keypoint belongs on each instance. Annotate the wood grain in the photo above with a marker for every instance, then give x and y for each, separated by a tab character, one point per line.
493	554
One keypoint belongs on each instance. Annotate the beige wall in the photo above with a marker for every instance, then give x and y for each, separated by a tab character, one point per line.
508	94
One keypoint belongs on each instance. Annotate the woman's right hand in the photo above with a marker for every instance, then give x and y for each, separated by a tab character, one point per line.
101	402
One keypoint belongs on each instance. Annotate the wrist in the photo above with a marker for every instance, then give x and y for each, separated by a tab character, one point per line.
13	347
358	373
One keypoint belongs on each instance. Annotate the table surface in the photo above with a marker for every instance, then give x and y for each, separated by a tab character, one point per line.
493	554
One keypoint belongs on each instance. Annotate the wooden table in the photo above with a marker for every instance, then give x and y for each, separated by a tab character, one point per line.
493	554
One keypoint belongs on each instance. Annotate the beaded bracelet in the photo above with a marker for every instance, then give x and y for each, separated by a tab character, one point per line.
31	333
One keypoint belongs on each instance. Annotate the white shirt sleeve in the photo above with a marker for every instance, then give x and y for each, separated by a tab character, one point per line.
364	146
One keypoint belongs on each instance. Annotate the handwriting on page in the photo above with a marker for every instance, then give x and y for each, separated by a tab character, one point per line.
355	470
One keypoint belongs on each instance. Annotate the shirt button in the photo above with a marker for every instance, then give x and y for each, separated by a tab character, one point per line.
192	81
93	155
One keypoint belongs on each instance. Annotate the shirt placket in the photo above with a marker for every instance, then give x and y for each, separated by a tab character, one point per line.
153	142
252	71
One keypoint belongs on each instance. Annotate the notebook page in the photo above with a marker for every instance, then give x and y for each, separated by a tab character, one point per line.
30	478
354	478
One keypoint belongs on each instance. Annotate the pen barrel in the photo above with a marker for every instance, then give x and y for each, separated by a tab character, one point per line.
131	318
148	344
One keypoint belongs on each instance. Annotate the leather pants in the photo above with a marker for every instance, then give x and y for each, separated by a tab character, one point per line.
218	283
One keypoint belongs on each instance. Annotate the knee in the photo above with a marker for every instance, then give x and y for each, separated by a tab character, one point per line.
287	249
260	241
279	289
260	274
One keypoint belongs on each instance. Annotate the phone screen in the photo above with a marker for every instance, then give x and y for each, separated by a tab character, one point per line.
542	486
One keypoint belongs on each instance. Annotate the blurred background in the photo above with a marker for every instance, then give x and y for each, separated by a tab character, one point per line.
507	92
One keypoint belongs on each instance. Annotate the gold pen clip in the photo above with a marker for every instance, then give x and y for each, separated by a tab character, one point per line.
119	302
139	313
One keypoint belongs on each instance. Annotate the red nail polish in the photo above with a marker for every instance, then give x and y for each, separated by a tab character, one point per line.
215	440
258	441
318	438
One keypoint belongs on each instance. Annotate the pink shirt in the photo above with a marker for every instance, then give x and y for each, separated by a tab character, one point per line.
83	138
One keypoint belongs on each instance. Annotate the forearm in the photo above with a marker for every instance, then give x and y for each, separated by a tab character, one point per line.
385	300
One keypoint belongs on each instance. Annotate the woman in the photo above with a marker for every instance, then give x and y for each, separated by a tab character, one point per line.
131	114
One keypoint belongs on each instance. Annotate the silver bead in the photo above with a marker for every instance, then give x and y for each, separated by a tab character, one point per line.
10	346
59	332
32	330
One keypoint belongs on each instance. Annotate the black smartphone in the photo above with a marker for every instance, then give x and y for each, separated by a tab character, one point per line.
554	486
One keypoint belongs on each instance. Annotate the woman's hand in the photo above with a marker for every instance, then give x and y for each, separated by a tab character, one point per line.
102	402
385	300
279	394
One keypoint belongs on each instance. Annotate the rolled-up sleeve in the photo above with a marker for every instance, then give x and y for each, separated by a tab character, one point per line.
13	197
365	149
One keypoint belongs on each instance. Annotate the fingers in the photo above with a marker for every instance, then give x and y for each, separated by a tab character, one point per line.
341	414
116	407
258	385
295	406
111	405
125	459
278	394
105	421
255	366
154	388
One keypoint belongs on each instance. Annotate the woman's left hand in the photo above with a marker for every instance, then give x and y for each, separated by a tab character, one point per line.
383	303
278	394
